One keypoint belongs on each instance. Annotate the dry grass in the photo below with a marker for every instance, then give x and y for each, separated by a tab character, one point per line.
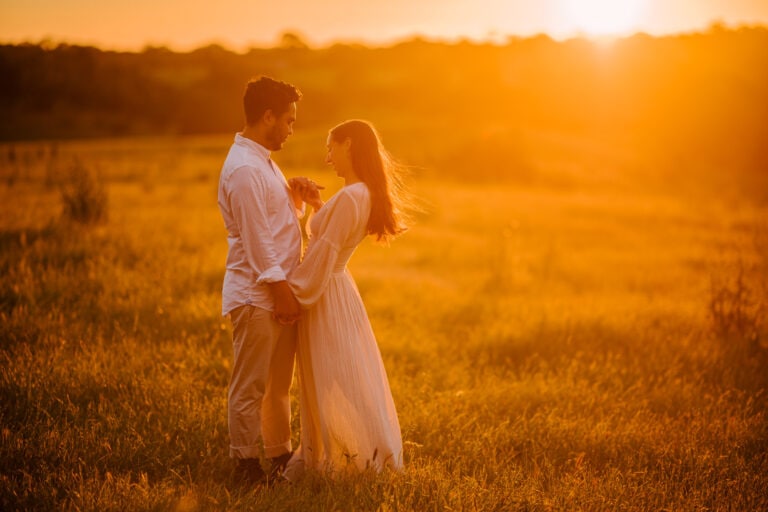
588	341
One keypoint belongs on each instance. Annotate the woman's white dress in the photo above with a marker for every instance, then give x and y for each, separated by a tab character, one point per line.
348	417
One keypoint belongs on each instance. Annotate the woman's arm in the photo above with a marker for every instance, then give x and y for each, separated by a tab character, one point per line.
310	279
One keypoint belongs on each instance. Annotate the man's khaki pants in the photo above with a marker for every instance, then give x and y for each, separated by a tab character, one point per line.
259	404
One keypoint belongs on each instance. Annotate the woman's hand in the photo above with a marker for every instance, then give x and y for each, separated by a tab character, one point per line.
304	189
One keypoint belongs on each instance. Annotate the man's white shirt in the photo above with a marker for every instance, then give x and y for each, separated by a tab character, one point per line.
263	230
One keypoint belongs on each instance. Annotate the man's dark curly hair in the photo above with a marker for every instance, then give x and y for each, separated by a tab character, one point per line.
264	93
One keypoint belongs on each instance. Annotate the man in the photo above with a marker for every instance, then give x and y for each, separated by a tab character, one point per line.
264	238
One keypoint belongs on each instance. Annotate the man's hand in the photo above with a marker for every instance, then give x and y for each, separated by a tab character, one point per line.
296	193
306	190
287	310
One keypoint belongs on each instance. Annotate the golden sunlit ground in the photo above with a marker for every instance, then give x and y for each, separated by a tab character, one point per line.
576	335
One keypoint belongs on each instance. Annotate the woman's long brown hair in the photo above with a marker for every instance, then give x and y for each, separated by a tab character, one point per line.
374	167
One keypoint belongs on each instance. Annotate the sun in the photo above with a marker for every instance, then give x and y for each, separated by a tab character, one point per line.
603	17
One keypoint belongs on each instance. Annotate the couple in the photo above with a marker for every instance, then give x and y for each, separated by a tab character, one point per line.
284	307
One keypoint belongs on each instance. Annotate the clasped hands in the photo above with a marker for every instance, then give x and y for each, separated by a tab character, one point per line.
305	190
287	310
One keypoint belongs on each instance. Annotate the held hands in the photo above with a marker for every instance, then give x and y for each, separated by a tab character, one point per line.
287	309
306	190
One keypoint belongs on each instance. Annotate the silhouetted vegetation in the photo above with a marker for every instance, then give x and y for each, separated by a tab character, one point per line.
690	98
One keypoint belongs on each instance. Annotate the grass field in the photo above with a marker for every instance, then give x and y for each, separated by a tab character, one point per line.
585	338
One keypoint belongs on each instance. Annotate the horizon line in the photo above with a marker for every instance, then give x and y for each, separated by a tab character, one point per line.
492	38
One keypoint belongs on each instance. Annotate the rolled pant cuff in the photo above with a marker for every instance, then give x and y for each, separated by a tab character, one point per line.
277	450
245	452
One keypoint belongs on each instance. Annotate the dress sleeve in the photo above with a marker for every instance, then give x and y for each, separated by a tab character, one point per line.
311	277
248	198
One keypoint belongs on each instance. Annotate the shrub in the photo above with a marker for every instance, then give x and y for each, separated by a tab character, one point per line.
737	312
84	195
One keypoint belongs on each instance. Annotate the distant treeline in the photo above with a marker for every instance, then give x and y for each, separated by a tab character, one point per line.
705	92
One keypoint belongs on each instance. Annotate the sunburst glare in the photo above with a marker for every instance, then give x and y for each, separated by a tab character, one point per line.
604	17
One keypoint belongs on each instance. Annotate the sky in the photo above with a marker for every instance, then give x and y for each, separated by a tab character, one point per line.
241	24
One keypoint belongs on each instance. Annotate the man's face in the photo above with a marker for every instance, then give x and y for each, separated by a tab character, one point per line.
282	128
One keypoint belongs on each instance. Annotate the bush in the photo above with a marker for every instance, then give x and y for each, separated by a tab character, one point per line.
737	312
84	196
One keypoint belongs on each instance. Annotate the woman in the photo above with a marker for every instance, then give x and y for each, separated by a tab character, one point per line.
348	417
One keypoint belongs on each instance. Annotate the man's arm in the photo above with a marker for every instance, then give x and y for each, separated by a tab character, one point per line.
248	201
248	198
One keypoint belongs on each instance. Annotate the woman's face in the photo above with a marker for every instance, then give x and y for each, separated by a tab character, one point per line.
338	157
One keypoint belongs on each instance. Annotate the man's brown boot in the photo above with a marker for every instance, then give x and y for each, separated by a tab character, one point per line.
250	471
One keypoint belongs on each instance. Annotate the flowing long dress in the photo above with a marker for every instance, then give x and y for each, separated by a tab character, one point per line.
348	417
